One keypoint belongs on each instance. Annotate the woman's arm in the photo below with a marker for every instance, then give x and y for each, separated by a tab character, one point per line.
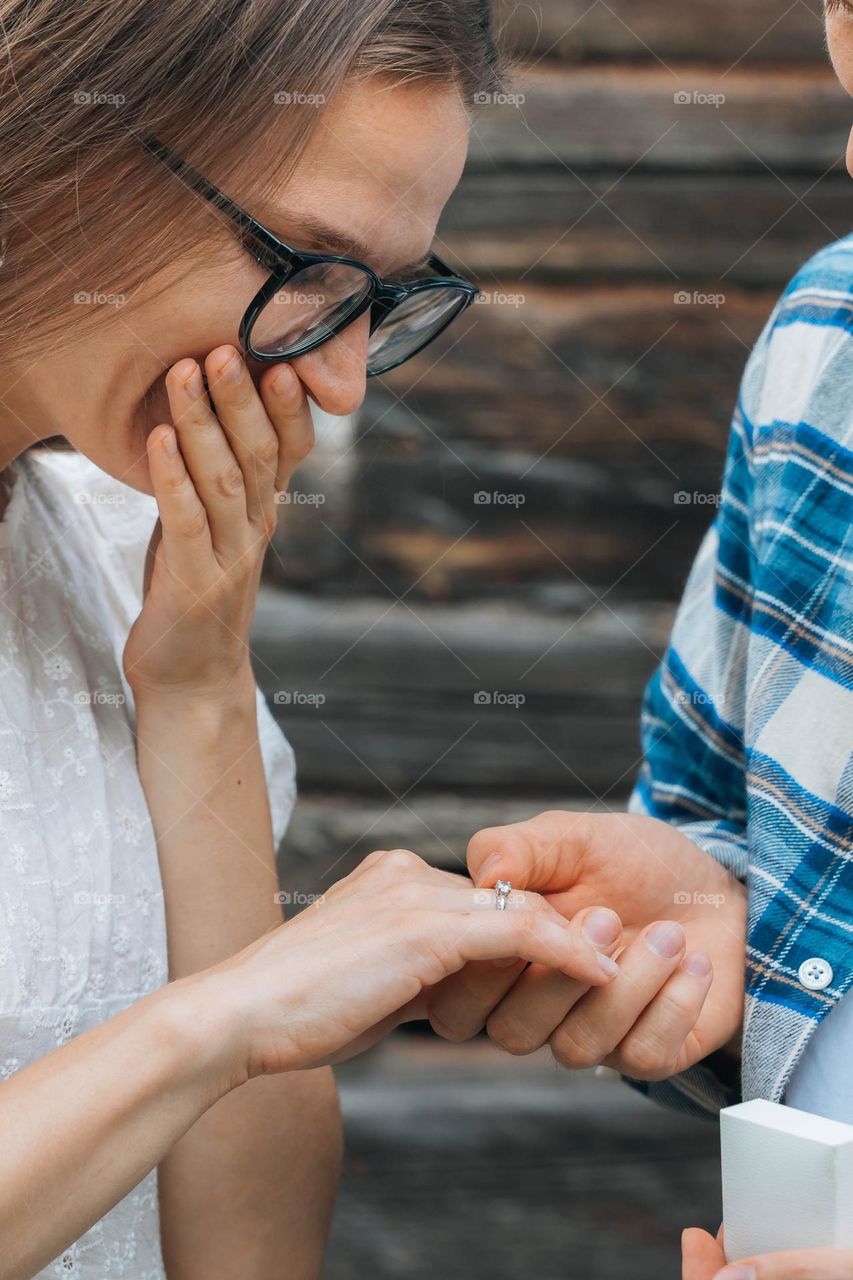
83	1125
248	1192
86	1123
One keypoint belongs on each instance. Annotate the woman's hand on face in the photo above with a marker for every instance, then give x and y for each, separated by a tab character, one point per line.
340	975
215	478
703	1259
679	993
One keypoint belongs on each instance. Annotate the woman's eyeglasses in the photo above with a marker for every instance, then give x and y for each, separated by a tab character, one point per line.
310	297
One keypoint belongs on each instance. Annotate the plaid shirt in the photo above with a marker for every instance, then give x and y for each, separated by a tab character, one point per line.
748	723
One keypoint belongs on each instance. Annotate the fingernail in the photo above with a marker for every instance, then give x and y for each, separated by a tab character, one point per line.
607	966
505	962
489	866
666	939
284	384
736	1273
698	963
232	371
602	927
170	443
193	383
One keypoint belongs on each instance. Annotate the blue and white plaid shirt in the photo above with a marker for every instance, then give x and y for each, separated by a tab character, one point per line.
748	723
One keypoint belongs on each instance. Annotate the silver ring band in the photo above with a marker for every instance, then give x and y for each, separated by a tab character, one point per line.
503	889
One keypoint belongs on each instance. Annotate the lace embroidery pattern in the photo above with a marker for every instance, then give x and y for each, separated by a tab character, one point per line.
82	920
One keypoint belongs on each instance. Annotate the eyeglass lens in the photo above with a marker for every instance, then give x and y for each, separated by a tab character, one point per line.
316	301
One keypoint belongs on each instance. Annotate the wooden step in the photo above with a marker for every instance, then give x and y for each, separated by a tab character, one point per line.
381	698
469	1165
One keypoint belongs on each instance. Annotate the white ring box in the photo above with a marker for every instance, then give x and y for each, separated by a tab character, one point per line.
787	1180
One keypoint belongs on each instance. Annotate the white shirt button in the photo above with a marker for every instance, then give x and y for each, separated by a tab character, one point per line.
815	974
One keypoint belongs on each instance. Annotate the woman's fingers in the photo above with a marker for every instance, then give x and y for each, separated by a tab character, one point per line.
528	928
184	528
519	1006
209	460
286	403
250	434
656	1044
595	1026
528	932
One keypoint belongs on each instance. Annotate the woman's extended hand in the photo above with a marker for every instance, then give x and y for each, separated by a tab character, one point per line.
336	978
679	993
215	478
703	1259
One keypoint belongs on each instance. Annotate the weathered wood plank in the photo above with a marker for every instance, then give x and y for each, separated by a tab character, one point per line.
554	226
584	416
593	117
380	698
330	834
575	30
465	1164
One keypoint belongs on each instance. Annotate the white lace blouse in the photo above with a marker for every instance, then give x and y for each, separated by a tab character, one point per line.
82	929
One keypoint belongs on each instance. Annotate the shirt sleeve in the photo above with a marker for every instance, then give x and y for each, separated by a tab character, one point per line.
693	714
119	522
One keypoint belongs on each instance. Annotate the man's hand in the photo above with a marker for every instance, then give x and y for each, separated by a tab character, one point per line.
703	1258
679	993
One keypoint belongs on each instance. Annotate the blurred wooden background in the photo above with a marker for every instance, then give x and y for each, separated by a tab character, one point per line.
472	585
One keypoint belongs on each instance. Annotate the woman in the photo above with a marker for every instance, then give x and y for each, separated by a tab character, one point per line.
156	1015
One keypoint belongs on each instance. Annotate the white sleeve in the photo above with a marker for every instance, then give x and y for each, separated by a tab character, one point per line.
119	523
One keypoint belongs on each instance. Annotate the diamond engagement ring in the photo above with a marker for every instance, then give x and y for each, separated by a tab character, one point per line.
503	889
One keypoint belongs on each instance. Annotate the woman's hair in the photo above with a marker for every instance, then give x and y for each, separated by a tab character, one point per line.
88	215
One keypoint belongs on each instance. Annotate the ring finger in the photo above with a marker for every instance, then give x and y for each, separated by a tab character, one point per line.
463	1004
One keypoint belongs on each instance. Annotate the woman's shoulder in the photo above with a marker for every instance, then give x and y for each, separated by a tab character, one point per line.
113	521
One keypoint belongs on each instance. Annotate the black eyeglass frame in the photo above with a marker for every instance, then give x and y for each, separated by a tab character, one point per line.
381	298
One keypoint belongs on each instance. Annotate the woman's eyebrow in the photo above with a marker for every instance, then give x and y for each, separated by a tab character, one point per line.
328	239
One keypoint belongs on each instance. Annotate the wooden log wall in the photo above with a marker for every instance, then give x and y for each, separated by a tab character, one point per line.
542	476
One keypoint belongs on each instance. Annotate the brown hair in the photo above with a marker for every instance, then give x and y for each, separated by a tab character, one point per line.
87	211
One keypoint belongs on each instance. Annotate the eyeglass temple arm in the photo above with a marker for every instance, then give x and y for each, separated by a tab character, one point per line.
184	170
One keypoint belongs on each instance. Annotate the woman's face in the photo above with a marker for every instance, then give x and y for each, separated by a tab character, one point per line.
839	39
378	170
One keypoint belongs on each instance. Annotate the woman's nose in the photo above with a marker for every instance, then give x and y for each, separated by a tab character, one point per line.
335	374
